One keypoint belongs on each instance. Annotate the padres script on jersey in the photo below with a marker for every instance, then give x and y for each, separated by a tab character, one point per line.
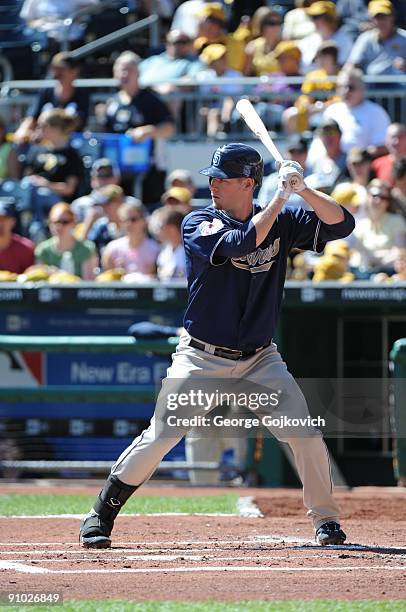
236	285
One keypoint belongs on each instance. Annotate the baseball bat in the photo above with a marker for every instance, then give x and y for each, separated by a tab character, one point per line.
257	126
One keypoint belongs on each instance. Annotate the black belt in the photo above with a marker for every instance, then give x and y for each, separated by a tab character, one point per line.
225	352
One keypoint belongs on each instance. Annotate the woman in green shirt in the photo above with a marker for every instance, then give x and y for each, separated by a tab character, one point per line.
63	250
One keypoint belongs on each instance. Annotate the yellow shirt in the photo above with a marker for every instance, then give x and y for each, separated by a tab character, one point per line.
235	48
263	62
312	84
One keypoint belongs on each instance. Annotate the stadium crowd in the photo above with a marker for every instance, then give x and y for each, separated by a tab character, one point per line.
63	219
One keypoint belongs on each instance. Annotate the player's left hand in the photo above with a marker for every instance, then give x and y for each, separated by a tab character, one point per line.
290	163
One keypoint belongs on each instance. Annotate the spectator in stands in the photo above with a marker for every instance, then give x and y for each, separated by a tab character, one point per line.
375	237
296	150
326	21
331	163
267	33
180	178
178	60
51	16
399	265
297	23
354	16
102	223
16	252
363	123
318	91
346	194
381	50
213	30
141	114
217	113
287	54
56	164
359	163
65	69
399	187
333	264
165	225
9	167
103	172
50	252
134	252
180	197
395	142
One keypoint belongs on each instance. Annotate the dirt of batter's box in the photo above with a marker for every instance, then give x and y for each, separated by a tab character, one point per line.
197	558
364	503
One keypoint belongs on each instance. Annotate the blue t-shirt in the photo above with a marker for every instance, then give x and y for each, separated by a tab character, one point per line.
236	288
375	56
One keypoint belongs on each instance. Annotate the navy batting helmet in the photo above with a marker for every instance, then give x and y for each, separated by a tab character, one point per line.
236	160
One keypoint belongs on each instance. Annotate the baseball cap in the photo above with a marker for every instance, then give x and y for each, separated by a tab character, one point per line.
212	53
213	10
177	193
235	160
7	207
322	7
346	195
287	47
380	7
64	60
296	142
105	194
357	155
103	167
177	36
329	124
337	248
179	174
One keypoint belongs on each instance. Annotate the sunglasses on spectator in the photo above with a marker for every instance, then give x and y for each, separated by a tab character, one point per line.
181	41
272	22
349	87
329	131
377	194
62	221
133	219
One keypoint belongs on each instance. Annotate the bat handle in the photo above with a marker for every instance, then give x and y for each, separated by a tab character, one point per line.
294	180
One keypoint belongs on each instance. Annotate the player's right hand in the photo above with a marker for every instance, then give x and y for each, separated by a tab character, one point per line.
292	177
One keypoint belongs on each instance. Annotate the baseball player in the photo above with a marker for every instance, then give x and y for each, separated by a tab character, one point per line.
236	256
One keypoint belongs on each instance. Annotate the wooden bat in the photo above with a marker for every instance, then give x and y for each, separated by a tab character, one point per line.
257	126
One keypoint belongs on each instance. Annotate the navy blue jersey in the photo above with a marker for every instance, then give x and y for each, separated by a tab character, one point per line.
236	288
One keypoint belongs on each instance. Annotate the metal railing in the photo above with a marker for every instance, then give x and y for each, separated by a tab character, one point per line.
16	96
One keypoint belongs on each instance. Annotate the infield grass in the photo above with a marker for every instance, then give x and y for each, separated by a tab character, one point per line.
316	605
15	504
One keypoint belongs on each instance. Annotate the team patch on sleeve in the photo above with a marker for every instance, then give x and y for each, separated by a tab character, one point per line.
207	228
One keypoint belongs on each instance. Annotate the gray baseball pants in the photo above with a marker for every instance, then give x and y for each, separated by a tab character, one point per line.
265	370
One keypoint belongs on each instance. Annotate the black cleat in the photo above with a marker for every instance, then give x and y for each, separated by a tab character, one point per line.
95	532
330	533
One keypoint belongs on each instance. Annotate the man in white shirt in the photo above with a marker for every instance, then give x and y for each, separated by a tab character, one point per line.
363	123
